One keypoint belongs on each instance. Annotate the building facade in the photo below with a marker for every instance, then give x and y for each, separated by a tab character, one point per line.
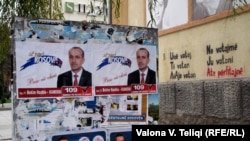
203	68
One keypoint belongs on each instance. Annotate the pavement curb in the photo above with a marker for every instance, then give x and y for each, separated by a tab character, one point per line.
5	109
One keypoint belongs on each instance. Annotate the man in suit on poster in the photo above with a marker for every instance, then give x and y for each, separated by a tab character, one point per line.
77	76
144	74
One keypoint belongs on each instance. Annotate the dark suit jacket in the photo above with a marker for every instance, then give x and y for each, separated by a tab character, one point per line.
134	77
65	79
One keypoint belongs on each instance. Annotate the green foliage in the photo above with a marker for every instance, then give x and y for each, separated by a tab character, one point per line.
5	98
104	7
116	4
101	10
5	46
238	4
4	41
44	9
9	9
57	10
153	111
92	11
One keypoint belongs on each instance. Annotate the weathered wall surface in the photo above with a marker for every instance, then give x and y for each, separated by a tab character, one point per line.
205	102
204	73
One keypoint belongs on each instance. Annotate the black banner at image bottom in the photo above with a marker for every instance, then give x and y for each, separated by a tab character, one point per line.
191	132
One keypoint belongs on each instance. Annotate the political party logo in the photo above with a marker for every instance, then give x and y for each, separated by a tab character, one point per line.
115	59
52	60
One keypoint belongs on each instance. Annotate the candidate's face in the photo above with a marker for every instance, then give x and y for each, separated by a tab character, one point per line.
119	138
76	59
142	59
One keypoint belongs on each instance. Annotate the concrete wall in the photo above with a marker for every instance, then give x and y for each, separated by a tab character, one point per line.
205	102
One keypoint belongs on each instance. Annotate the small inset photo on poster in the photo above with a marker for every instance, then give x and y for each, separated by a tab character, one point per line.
120	133
98	138
133	97
84	139
114	106
135	107
129	107
86	135
132	107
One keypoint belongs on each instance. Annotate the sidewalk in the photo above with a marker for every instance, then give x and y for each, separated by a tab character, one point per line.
6	122
7	106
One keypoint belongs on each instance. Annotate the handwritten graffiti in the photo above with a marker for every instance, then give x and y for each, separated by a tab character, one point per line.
226	72
222	60
222	48
181	70
226	58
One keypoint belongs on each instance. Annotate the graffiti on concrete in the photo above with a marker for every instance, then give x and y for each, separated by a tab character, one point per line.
180	66
226	57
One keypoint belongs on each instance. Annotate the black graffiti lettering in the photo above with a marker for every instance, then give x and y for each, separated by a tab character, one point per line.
183	65
173	56
189	75
210	62
209	49
177	75
226	49
186	55
224	60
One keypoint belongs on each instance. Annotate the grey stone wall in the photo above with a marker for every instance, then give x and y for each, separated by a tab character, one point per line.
223	101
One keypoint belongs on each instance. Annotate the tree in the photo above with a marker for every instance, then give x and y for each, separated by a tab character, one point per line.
4	50
44	9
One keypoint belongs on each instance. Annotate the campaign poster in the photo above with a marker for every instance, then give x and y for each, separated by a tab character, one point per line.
40	63
117	72
50	101
114	59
